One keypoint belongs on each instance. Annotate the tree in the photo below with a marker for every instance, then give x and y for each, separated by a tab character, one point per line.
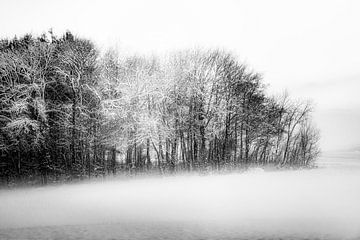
66	112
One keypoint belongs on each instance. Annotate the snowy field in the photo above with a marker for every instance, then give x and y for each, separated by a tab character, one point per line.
322	203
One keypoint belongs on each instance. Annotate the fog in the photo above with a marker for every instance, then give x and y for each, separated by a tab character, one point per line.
322	202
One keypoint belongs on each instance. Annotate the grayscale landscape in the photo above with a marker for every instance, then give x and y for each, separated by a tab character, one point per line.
181	119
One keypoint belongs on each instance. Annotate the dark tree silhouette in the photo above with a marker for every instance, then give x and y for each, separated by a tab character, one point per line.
68	113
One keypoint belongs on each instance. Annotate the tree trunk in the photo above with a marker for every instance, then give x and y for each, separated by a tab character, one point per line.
148	160
113	160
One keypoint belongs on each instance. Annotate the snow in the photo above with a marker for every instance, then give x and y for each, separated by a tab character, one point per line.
319	203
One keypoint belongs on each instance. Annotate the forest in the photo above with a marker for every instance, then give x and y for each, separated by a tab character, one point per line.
69	111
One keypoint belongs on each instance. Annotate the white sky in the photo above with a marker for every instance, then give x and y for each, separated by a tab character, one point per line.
311	48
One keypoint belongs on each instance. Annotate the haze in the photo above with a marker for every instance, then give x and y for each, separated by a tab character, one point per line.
321	203
309	48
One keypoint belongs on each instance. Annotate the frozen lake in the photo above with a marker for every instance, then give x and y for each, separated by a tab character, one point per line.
322	203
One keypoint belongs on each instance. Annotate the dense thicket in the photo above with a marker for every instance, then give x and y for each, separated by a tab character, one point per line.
66	112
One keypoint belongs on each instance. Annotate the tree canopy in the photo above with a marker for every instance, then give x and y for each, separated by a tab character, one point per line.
69	112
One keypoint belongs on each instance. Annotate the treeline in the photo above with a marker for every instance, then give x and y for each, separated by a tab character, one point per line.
69	112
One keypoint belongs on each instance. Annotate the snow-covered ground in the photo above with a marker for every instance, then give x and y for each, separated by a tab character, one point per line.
321	203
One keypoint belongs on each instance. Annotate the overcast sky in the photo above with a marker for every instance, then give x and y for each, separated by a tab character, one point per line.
311	48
